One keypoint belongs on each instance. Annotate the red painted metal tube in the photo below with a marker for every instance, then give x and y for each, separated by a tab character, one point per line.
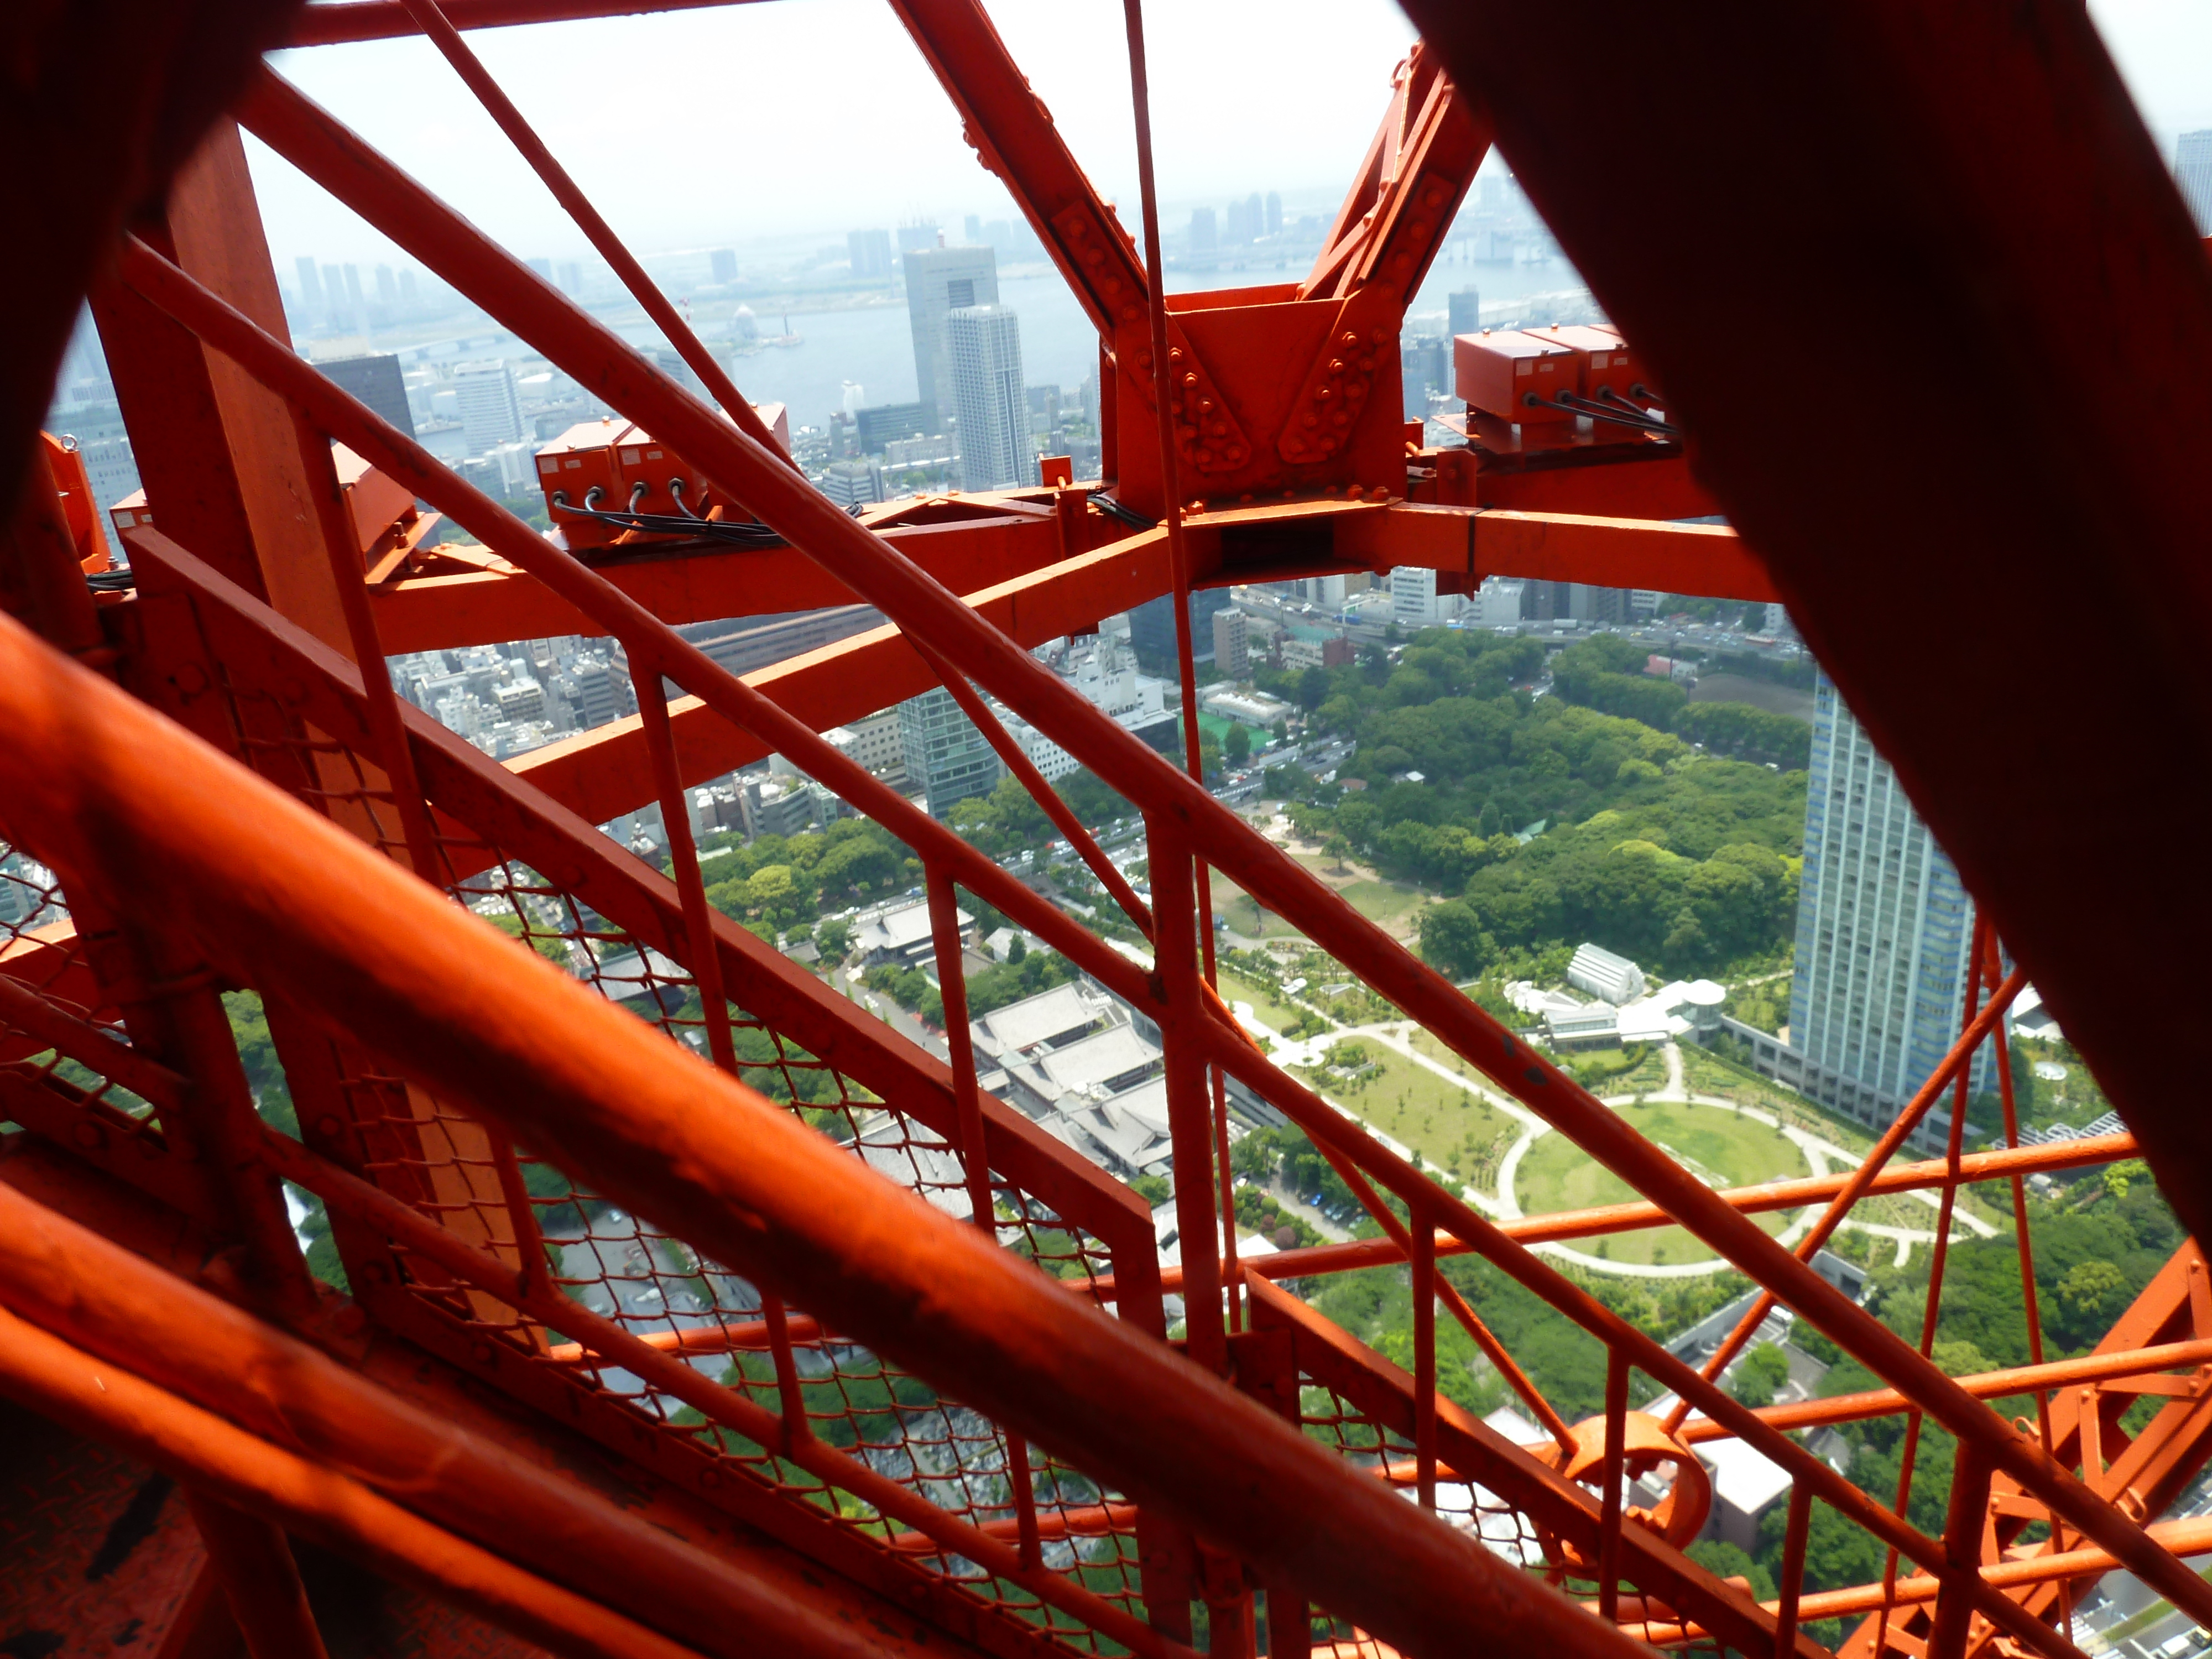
105	1402
338	22
1091	1521
287	897
338	159
752	1337
1789	1609
651	643
89	1045
343	163
259	1579
1324	1125
1978	1026
1039	788
349	1194
102	1297
1629	1217
2184	1538
1986	1385
601	235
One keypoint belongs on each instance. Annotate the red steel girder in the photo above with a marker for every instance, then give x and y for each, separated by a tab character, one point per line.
93	131
2002	198
294	900
259	649
340	161
1474	1452
335	22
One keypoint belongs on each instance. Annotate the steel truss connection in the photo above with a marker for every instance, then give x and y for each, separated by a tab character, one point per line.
926	1391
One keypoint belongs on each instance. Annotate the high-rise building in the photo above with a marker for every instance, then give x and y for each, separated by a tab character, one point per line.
1201	230
725	264
1425	365
334	291
887	423
2192	171
938	281
1415	603
1231	644
972	227
984	351
353	295
571	273
542	267
376	382
946	757
1466	312
491	415
1152	628
871	251
1884	929
311	286
672	364
852	484
1274	214
387	285
920	235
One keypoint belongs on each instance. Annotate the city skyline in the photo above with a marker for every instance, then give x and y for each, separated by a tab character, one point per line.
401	98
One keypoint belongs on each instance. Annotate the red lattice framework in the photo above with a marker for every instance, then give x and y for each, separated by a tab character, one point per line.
933	1474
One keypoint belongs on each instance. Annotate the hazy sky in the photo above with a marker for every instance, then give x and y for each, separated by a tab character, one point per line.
809	119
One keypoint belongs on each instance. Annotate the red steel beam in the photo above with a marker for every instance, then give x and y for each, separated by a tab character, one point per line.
1014	137
336	158
2184	1537
2001	146
1630	1217
2100	1367
261	648
108	1403
287	897
1011	555
98	1296
336	22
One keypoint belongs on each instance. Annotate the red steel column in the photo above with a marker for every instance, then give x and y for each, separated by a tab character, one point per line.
260	1580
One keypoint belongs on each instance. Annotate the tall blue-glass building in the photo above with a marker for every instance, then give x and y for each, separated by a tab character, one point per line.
1884	928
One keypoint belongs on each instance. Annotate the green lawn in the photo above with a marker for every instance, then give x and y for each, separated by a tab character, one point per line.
1449	1127
1707	1075
1723	1148
1245	917
1389	904
1266	1008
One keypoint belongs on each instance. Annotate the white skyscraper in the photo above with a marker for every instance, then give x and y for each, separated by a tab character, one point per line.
2192	171
985	355
491	415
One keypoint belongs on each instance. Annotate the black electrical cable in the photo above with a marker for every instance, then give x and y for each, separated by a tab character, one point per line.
120	580
739	533
1117	511
1575	403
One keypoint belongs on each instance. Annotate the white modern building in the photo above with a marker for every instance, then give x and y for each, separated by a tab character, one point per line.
983	349
490	413
1498	604
1602	974
1415	603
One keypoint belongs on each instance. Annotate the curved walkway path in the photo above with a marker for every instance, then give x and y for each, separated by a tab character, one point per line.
1504	1204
